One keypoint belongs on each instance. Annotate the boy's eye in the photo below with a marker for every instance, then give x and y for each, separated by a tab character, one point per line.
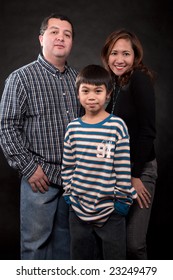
84	90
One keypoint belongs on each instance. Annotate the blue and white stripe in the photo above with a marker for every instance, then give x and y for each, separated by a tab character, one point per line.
96	169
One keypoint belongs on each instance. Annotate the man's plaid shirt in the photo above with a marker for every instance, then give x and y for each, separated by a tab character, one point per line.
37	104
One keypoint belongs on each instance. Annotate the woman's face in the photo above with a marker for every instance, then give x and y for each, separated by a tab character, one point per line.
121	57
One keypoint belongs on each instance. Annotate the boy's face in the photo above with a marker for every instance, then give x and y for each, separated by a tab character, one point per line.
92	97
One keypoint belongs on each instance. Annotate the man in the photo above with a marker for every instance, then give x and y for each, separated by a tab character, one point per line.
38	102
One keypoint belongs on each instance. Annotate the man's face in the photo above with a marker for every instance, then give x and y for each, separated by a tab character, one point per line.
57	40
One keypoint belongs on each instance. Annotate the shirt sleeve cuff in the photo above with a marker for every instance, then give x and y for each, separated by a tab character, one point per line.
67	199
121	208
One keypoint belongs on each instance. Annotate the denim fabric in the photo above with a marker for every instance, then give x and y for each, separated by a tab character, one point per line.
44	224
138	219
91	242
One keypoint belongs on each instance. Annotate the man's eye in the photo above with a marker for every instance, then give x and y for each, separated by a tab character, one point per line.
68	35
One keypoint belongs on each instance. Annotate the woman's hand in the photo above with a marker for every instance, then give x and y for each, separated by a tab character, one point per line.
144	196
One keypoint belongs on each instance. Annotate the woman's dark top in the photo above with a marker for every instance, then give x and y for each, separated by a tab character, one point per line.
135	104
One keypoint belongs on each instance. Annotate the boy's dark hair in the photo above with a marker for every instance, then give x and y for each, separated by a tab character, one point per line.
44	23
95	75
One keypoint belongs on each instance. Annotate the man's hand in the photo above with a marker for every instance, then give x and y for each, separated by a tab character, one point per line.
39	181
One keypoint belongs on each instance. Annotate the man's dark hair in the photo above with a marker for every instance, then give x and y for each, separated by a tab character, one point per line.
44	23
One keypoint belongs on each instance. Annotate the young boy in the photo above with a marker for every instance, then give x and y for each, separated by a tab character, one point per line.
96	171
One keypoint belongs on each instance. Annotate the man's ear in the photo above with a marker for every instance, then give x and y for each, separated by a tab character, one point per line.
40	39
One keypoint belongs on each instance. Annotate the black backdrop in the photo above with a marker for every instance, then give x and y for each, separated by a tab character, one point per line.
94	20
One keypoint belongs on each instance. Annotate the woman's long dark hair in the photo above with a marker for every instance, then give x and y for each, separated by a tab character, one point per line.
138	52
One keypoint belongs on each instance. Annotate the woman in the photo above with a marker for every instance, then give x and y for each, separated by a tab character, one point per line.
133	100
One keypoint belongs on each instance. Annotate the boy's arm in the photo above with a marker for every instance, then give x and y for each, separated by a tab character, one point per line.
68	164
124	191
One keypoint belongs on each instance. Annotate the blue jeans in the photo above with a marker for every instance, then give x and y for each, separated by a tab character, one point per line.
44	222
90	242
138	219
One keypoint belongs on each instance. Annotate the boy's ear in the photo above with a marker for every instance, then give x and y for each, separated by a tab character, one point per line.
109	95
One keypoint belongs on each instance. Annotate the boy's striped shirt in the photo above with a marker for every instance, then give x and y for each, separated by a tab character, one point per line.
96	168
